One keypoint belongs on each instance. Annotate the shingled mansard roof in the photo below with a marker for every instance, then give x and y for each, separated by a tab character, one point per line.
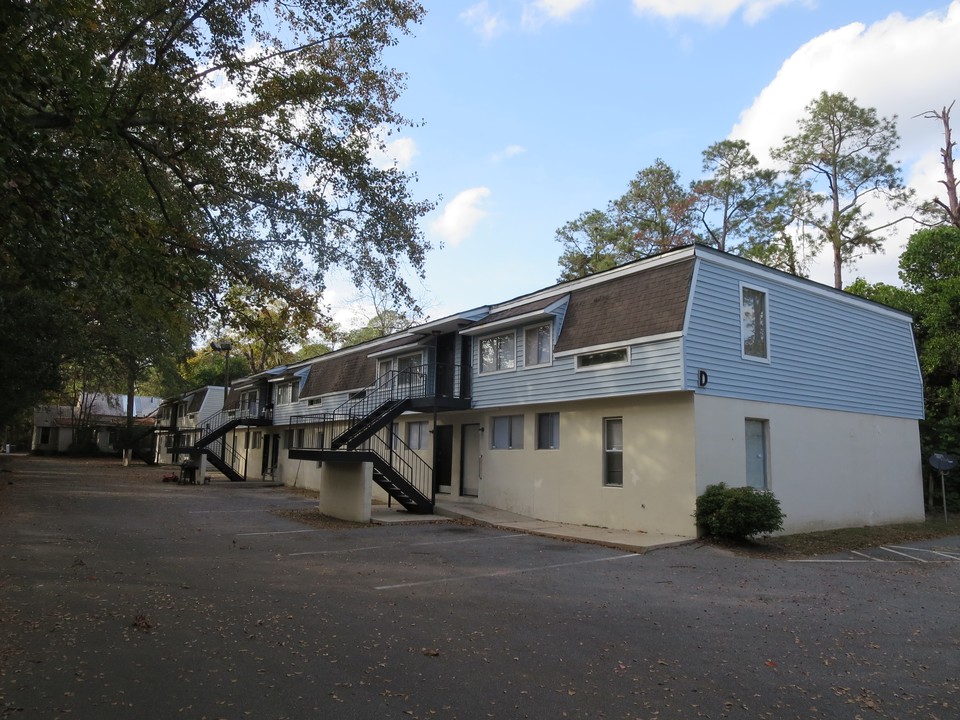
629	307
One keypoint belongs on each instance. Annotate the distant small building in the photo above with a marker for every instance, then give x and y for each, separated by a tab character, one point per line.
181	420
55	426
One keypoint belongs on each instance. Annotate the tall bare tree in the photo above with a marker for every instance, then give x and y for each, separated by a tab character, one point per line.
950	208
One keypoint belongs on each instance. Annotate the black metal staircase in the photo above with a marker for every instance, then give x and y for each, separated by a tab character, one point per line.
362	432
213	440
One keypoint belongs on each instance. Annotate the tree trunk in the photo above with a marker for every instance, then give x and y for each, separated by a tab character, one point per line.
131	394
837	264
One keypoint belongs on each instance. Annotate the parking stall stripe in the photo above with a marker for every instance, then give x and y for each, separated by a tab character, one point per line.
903	554
470	540
277	532
336	552
501	573
864	555
951	556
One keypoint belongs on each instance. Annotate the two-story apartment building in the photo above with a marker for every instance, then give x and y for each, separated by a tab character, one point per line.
182	420
611	400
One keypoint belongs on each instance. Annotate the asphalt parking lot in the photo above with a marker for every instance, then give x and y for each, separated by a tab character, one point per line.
124	597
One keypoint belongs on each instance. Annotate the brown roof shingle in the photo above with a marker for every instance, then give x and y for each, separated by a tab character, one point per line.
649	302
339	373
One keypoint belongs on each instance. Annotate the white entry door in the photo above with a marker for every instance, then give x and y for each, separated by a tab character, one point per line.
756	433
471	460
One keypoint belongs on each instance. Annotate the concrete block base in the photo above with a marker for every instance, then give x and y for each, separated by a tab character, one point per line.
345	490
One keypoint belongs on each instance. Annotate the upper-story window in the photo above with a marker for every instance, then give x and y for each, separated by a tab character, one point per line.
498	353
288	393
603	358
754	332
248	400
537	345
410	374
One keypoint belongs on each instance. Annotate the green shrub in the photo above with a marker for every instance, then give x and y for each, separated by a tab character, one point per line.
736	513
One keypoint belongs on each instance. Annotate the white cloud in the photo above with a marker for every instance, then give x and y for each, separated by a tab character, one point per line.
486	23
708	11
537	13
900	66
397	153
508	152
461	215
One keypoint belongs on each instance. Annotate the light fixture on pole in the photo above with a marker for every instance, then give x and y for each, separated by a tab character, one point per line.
224	347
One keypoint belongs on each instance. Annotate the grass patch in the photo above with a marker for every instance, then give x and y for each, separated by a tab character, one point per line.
830	542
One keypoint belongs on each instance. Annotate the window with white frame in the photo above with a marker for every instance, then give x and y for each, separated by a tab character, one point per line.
753	323
248	400
548	431
498	353
417	435
537	345
255	444
410	374
507	433
288	393
603	358
613	452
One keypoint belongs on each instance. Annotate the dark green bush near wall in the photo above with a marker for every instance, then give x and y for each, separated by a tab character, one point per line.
736	513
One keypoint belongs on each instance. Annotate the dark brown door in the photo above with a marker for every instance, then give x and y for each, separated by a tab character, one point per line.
442	457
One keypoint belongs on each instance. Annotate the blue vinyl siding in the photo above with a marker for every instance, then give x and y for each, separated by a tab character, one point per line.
826	352
653	367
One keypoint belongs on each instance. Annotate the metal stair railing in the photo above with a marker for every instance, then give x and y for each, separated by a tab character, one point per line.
229	457
385	444
392	385
214	424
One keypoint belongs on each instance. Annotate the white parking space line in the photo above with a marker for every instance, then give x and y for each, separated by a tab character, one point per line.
893	550
226	512
278	532
405	545
336	552
827	560
903	554
948	555
470	540
501	573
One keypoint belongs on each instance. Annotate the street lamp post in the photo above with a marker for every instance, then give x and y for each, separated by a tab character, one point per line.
224	347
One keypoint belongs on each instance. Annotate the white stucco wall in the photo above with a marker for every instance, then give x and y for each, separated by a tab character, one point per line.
566	484
829	469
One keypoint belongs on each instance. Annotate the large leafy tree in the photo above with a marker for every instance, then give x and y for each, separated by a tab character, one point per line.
591	243
841	159
930	271
217	143
267	330
655	214
737	202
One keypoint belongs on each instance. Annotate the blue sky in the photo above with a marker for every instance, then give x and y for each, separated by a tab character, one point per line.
535	111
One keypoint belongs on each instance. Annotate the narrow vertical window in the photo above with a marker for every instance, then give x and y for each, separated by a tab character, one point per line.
757	434
753	323
613	452
537	346
548	431
507	433
417	435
